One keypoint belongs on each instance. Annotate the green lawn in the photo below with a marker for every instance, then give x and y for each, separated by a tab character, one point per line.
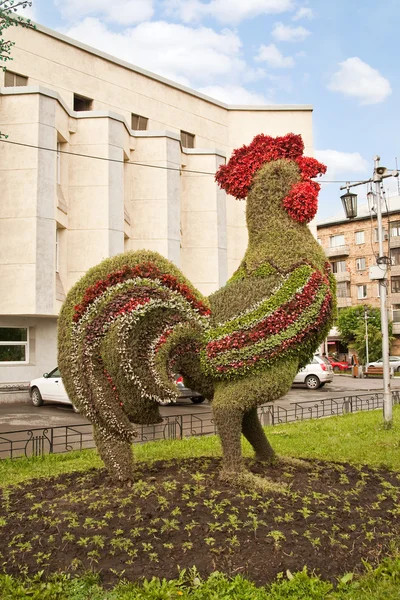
356	438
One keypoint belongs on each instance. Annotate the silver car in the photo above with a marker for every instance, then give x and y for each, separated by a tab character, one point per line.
316	374
394	363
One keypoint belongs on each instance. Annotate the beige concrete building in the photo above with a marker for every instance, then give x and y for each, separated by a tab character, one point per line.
103	157
352	247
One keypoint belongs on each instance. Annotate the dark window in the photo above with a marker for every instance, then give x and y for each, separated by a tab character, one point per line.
395	284
395	256
82	103
338	266
139	123
14	79
395	229
396	313
187	139
343	289
13	344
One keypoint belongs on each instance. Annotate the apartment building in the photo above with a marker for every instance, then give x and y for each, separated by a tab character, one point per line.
101	157
352	247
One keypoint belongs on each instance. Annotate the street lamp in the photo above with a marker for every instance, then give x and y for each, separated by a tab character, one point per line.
377	272
349	201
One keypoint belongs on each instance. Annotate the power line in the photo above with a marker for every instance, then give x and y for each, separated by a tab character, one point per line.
137	164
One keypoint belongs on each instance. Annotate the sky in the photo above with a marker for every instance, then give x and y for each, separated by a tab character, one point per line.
337	55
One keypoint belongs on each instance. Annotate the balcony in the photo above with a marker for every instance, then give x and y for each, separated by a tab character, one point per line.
396	328
345	276
343	302
394	241
337	251
394	297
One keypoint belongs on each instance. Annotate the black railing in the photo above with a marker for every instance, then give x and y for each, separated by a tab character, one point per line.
52	440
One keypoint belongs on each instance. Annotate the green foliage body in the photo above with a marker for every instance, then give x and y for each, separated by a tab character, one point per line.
117	363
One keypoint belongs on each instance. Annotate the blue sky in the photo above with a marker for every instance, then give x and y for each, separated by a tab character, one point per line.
338	55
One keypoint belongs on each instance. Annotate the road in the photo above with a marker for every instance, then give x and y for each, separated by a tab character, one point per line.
15	416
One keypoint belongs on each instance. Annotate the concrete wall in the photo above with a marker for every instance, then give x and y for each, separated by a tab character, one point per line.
111	189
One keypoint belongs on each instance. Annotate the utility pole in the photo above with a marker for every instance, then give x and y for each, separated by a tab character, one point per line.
366	317
377	272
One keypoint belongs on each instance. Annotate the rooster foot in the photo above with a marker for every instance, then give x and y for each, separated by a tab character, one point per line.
249	481
290	462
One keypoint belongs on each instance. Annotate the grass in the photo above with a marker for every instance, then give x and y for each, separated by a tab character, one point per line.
359	439
349	438
377	584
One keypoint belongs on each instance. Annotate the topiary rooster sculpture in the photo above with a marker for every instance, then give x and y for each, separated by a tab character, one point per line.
134	320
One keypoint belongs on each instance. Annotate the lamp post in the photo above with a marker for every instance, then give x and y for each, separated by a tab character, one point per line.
378	272
366	317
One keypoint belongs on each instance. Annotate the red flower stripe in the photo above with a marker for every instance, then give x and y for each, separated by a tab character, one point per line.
285	345
278	321
144	270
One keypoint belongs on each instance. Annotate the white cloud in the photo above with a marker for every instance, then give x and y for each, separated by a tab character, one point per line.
303	13
357	79
285	33
234	94
123	12
225	11
191	56
273	57
342	164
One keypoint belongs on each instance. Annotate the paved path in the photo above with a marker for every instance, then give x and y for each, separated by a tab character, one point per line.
15	416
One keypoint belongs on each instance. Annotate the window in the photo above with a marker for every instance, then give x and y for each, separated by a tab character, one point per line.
343	289
58	163
384	234
395	229
360	264
139	123
395	256
14	345
187	139
57	250
82	103
361	291
338	266
395	284
14	79
336	240
359	237
396	313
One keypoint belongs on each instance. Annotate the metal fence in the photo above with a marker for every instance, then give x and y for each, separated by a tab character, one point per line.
51	440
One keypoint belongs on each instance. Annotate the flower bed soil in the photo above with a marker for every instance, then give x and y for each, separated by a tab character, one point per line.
178	514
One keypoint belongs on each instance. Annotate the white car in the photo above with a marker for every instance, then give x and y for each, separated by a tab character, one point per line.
316	374
49	388
394	363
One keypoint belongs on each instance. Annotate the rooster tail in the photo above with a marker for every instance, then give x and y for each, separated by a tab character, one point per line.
125	328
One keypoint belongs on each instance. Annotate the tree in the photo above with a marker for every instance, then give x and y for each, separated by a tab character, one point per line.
351	324
9	18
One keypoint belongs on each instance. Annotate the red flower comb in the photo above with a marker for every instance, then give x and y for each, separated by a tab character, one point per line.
237	175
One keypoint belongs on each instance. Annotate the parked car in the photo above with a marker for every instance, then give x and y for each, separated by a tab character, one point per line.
338	365
316	374
394	363
50	388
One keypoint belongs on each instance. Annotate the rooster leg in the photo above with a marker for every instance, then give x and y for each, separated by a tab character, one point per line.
254	433
116	454
229	424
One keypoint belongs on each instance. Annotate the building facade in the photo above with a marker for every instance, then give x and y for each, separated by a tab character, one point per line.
351	246
103	157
